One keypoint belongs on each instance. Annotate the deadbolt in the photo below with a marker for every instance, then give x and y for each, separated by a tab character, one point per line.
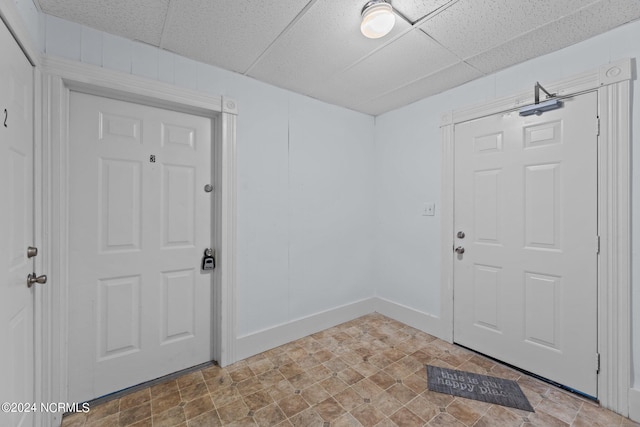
459	250
32	278
208	188
460	234
32	251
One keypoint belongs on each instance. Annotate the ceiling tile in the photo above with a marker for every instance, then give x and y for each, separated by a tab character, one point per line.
453	76
137	20
406	59
325	41
472	26
583	24
228	33
417	9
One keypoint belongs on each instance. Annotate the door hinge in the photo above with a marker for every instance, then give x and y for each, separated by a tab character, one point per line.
597	245
597	363
597	125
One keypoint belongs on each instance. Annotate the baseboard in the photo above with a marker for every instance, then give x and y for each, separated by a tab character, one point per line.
257	342
634	404
422	321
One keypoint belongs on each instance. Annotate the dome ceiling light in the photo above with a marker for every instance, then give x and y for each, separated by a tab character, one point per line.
377	19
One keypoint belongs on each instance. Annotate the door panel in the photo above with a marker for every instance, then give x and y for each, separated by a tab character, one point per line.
16	230
525	287
140	307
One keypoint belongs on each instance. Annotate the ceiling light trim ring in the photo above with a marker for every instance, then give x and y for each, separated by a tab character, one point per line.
378	19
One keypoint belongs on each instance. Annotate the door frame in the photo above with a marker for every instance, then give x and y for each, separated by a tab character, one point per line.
59	78
612	82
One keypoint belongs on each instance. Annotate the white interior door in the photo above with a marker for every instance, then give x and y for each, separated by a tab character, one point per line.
16	230
140	220
525	288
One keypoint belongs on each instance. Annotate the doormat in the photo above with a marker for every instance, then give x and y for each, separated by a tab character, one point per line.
478	387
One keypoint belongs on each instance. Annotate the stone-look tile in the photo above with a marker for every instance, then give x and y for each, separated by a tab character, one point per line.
270	378
416	382
225	396
308	417
133	415
301	381
406	418
194	391
499	416
190	379
447	420
541	419
314	394
346	420
386	403
439	399
319	373
241	374
269	416
148	422
165	402
104	410
333	385
74	420
135	399
281	390
382	380
367	389
402	393
208	419
597	417
329	409
249	386
290	370
558	410
463	412
349	399
258	400
108	421
198	406
292	405
423	408
170	418
369	371
233	411
367	414
162	389
350	376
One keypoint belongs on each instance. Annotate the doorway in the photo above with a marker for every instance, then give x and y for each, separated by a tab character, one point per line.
140	219
525	270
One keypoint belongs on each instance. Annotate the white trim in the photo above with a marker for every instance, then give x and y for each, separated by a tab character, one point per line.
614	284
634	404
11	16
59	77
266	339
425	322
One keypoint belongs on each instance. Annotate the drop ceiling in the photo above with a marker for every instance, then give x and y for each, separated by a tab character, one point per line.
314	47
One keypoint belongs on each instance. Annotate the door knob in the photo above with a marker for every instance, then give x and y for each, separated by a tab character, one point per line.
32	278
459	250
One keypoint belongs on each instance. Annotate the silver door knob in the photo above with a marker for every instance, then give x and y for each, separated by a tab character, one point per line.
32	278
459	250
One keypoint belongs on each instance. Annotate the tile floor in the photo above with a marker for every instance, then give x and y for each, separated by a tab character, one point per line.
367	372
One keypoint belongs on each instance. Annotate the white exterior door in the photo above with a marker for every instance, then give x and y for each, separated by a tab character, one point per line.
525	288
140	220
16	231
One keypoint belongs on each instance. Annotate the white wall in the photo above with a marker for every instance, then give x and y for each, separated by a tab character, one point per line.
305	170
407	159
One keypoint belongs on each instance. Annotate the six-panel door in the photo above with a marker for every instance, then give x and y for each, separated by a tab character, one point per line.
140	220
